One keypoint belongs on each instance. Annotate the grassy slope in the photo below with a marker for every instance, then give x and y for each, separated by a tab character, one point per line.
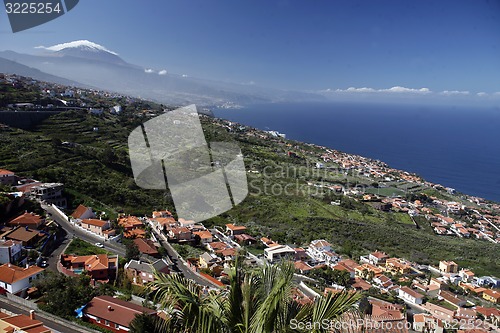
96	172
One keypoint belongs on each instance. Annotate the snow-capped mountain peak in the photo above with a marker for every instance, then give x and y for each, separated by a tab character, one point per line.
83	49
79	44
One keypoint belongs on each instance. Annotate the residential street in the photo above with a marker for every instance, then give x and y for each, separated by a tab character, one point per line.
115	247
180	266
56	327
86	236
56	254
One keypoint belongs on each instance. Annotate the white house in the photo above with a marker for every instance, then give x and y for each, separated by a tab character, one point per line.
410	295
423	322
320	245
96	226
319	165
117	109
377	258
7	177
82	213
10	251
279	252
321	251
15	279
383	282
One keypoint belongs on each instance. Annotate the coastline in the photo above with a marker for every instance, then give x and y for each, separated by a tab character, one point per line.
446	157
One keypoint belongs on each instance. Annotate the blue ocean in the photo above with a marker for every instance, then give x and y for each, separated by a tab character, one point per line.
457	147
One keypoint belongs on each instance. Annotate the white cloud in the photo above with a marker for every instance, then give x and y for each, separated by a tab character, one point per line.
497	93
454	92
184	75
352	89
399	89
162	72
148	70
482	94
396	89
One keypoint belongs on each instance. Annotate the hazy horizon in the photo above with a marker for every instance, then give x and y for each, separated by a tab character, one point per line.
443	53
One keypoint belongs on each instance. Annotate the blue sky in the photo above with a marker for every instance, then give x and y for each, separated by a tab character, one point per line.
305	45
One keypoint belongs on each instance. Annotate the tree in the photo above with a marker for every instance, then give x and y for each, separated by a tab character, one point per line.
62	295
132	251
257	301
145	323
365	306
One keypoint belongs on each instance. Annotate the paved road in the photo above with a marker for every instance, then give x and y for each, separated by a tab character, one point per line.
86	236
179	265
118	248
56	254
56	327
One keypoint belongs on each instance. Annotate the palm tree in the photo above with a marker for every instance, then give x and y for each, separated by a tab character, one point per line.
255	302
145	323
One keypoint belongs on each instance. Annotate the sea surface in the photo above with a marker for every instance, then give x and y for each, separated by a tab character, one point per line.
457	147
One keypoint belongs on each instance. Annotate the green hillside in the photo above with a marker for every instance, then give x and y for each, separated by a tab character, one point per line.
88	154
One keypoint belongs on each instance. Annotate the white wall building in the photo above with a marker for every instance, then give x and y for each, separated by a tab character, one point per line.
10	251
279	252
410	296
15	279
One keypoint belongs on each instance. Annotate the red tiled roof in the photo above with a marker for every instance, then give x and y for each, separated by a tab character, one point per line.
11	273
361	284
38	329
26	188
27	219
130	222
25	323
235	227
179	230
146	246
302	266
244	237
203	234
213	280
492	293
21	234
450	297
4	172
411	292
349	263
165	220
91	262
115	310
218	246
487	312
79	211
134	233
380	255
97	223
228	252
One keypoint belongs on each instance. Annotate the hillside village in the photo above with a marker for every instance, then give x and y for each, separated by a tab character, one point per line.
441	296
